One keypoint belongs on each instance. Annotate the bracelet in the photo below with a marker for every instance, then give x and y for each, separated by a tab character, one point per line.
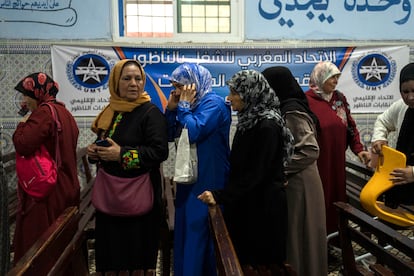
184	104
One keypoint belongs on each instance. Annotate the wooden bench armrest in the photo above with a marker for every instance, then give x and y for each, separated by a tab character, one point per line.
381	270
357	175
74	250
48	247
359	167
227	261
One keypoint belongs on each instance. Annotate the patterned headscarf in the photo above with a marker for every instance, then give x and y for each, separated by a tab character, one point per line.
116	103
188	73
321	73
38	86
260	102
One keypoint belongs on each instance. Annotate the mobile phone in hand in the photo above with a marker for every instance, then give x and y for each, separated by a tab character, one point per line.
23	110
103	143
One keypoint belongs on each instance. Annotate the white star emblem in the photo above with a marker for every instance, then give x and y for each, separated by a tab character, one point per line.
91	71
374	70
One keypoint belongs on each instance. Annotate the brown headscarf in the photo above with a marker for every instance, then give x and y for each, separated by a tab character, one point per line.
38	86
116	103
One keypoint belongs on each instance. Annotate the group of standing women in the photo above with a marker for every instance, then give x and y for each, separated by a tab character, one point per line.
268	183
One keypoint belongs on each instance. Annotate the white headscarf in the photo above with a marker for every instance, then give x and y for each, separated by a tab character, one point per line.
321	73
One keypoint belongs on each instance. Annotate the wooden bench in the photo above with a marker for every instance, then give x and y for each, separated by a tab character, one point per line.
73	253
357	175
387	263
45	251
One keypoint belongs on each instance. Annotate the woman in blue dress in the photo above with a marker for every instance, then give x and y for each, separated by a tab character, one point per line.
206	115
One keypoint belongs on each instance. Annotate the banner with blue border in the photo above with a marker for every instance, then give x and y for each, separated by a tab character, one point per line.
369	76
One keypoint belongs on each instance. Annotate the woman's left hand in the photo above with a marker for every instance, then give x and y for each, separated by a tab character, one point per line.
111	153
24	119
207	197
401	176
364	156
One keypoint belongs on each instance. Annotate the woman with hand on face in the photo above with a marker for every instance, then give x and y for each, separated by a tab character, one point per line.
194	105
337	131
38	128
254	201
137	134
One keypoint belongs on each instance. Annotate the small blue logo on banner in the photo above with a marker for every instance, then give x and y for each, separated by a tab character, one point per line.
374	71
89	72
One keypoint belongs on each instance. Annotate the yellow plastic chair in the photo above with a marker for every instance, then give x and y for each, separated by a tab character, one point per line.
379	183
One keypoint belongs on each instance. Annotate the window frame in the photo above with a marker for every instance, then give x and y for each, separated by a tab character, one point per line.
235	35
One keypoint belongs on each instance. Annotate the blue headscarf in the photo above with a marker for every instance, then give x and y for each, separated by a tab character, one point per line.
188	73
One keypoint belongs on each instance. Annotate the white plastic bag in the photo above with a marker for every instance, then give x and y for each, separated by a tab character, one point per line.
186	160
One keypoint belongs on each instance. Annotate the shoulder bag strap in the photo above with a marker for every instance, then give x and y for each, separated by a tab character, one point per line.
58	129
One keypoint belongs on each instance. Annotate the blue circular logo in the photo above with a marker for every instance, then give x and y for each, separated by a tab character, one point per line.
91	71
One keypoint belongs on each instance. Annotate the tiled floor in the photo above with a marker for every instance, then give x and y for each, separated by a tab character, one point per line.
335	261
362	257
92	264
334	268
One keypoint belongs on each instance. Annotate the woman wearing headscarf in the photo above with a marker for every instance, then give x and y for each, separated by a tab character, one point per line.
137	134
306	239
337	131
399	117
193	104
37	128
255	208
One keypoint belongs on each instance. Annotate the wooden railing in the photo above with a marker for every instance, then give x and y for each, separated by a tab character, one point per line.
227	261
377	239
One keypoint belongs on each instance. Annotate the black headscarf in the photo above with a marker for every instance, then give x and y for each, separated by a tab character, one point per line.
407	73
288	91
406	135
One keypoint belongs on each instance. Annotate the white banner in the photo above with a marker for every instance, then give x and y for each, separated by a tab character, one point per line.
369	79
